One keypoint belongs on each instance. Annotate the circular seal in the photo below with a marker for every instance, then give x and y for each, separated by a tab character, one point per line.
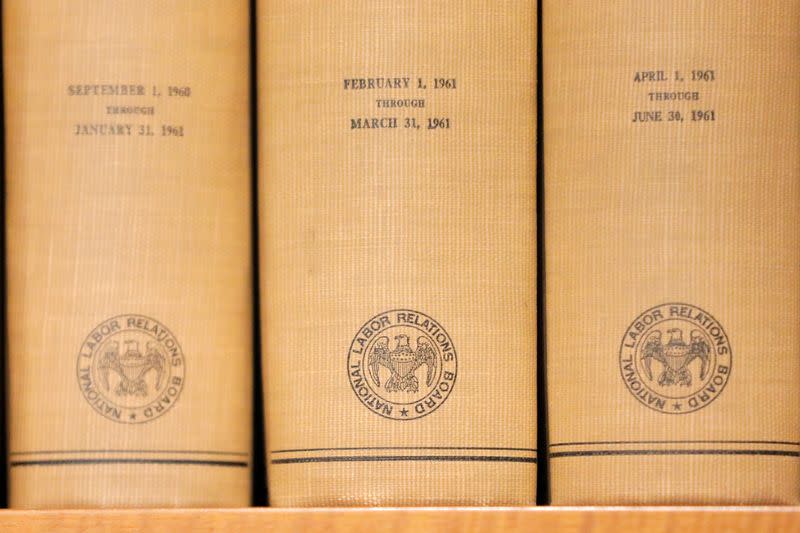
131	369
675	358
402	364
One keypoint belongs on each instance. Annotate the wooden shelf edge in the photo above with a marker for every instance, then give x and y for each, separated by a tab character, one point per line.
411	520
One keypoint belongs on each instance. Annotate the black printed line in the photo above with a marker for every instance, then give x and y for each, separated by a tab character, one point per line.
462	448
379	458
61	462
613	442
181	452
601	453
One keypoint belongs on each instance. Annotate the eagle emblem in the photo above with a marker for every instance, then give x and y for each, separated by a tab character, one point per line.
675	356
131	367
402	362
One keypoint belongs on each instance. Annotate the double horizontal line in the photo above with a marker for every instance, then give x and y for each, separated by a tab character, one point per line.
773	448
44	458
404	454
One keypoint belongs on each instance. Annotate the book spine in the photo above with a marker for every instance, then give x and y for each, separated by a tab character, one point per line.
397	211
129	261
672	200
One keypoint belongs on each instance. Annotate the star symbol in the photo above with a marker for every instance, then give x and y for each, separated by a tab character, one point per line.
133	416
404	411
676	406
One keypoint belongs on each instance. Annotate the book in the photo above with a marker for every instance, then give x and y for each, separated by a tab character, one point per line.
129	260
672	266
397	216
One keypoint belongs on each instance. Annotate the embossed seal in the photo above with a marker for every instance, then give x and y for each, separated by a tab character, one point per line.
402	364
675	358
131	369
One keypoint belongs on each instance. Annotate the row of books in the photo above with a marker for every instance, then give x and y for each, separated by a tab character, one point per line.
394	147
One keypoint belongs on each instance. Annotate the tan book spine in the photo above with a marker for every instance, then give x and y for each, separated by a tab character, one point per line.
129	261
397	183
672	200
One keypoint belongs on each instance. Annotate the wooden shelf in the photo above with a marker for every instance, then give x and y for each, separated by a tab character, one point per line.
412	520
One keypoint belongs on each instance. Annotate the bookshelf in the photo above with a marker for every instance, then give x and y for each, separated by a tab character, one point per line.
415	520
